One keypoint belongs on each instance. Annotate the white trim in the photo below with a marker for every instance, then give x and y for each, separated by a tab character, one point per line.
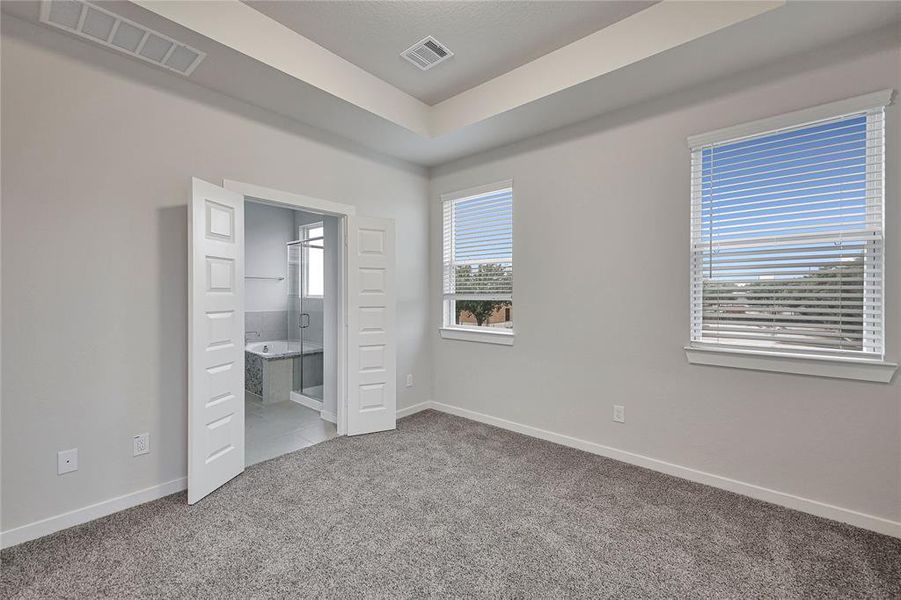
489	336
308	203
50	525
813	507
448	329
649	32
78	516
412	410
793	119
488	188
862	369
91	512
312	403
242	28
269	195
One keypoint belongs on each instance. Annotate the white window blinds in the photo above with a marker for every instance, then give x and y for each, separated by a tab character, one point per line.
787	238
478	246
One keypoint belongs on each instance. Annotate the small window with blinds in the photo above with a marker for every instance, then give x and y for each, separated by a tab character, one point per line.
478	258
787	239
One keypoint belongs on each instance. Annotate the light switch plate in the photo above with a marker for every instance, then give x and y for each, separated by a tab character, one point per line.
66	461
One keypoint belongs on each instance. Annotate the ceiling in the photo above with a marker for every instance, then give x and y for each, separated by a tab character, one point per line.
487	38
662	49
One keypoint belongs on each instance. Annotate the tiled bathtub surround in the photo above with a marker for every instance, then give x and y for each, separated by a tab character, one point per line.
253	373
277	324
312	307
273	375
270	324
272	382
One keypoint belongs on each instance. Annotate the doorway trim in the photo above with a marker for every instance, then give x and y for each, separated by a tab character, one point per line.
275	197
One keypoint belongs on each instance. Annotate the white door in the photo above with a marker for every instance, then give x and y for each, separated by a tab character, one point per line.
371	347
216	339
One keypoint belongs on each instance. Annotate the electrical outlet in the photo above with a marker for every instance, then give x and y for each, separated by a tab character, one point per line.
410	380
619	413
141	444
66	461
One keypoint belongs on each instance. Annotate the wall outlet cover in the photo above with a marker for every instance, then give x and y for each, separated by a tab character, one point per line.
619	413
66	461
410	380
141	444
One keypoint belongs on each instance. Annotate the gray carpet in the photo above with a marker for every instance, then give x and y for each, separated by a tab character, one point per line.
446	507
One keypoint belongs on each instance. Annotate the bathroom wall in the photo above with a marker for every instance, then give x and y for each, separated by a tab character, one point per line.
266	231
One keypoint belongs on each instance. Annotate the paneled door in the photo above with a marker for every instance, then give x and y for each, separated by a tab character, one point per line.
216	338
371	346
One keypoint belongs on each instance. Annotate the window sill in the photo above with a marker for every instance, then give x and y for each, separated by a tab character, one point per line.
504	338
861	369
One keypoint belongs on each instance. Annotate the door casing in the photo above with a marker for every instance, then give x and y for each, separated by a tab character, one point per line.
341	211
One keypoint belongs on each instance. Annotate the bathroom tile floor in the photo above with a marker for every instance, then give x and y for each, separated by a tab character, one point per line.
275	429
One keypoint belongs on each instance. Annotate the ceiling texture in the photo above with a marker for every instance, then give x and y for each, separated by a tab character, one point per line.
519	68
487	38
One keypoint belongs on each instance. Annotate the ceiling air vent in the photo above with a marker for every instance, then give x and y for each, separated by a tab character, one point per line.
109	29
427	53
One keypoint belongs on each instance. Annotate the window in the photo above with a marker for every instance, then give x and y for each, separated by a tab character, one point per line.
787	237
313	260
478	259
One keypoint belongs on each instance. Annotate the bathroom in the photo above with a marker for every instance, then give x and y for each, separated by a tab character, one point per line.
290	329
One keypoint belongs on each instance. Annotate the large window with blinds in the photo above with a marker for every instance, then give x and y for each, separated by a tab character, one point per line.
478	258
787	238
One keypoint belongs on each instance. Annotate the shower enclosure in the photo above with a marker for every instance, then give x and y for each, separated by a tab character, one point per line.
305	326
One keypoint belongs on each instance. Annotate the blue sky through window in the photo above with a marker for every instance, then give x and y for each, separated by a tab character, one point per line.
803	185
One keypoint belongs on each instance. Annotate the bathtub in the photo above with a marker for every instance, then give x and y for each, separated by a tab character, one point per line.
281	349
269	368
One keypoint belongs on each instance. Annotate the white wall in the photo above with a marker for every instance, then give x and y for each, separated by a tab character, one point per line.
98	152
266	231
601	237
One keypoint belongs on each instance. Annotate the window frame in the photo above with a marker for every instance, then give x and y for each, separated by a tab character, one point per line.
303	232
875	368
449	329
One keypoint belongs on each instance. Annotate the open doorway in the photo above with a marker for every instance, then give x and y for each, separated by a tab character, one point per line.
290	331
365	346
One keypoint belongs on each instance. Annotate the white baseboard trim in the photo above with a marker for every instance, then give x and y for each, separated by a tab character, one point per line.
814	507
50	525
329	416
412	410
307	401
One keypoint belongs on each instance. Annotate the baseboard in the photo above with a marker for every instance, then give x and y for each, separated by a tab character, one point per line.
412	410
329	416
307	401
814	507
47	526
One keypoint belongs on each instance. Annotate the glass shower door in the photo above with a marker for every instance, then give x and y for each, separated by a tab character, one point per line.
312	296
295	310
305	335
